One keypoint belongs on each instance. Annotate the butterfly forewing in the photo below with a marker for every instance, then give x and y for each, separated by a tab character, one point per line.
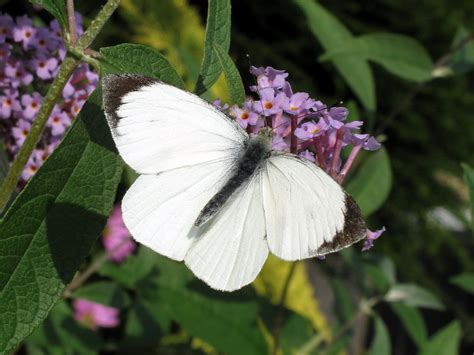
158	127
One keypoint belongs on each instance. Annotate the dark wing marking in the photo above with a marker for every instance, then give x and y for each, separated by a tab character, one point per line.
115	87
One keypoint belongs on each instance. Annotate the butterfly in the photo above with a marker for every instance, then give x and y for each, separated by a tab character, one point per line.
214	197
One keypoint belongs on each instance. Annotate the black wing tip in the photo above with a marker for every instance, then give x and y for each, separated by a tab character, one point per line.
354	229
115	87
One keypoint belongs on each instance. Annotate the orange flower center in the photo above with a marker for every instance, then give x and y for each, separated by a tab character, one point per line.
244	116
8	102
27	34
34	105
268	105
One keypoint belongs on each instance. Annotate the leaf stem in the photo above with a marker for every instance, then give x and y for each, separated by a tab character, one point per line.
281	309
54	93
71	19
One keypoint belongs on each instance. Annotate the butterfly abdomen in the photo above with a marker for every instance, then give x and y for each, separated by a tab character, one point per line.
257	151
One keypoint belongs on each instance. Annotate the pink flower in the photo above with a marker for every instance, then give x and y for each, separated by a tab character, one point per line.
116	238
94	315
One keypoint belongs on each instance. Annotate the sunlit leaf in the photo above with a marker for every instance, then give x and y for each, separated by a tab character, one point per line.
300	295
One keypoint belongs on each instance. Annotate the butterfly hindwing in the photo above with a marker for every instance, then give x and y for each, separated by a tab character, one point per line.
231	248
306	211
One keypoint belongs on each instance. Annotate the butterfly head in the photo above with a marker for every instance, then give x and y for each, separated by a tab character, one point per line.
266	135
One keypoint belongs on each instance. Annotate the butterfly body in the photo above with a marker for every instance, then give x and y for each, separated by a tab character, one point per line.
212	196
255	154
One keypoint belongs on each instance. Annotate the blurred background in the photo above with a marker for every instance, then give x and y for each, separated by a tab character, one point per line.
425	126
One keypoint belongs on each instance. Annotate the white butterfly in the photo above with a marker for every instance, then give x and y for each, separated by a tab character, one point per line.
214	197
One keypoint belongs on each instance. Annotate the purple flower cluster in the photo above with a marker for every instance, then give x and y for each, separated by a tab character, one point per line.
30	57
302	125
116	238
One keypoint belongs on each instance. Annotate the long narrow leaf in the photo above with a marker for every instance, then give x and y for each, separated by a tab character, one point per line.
217	32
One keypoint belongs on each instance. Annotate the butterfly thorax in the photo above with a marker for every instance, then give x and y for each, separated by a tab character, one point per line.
257	151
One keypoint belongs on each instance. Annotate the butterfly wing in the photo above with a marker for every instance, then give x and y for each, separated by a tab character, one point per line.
158	127
231	248
185	150
306	212
160	210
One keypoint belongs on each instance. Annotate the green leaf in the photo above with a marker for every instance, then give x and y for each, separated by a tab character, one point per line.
465	281
378	277
142	330
139	59
445	341
381	342
217	33
57	8
132	270
412	321
372	183
462	60
295	333
469	179
332	34
398	54
50	228
104	292
226	321
413	295
343	300
232	76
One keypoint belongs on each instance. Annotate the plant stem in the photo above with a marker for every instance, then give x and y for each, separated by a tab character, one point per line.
93	267
97	24
71	20
281	309
54	93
